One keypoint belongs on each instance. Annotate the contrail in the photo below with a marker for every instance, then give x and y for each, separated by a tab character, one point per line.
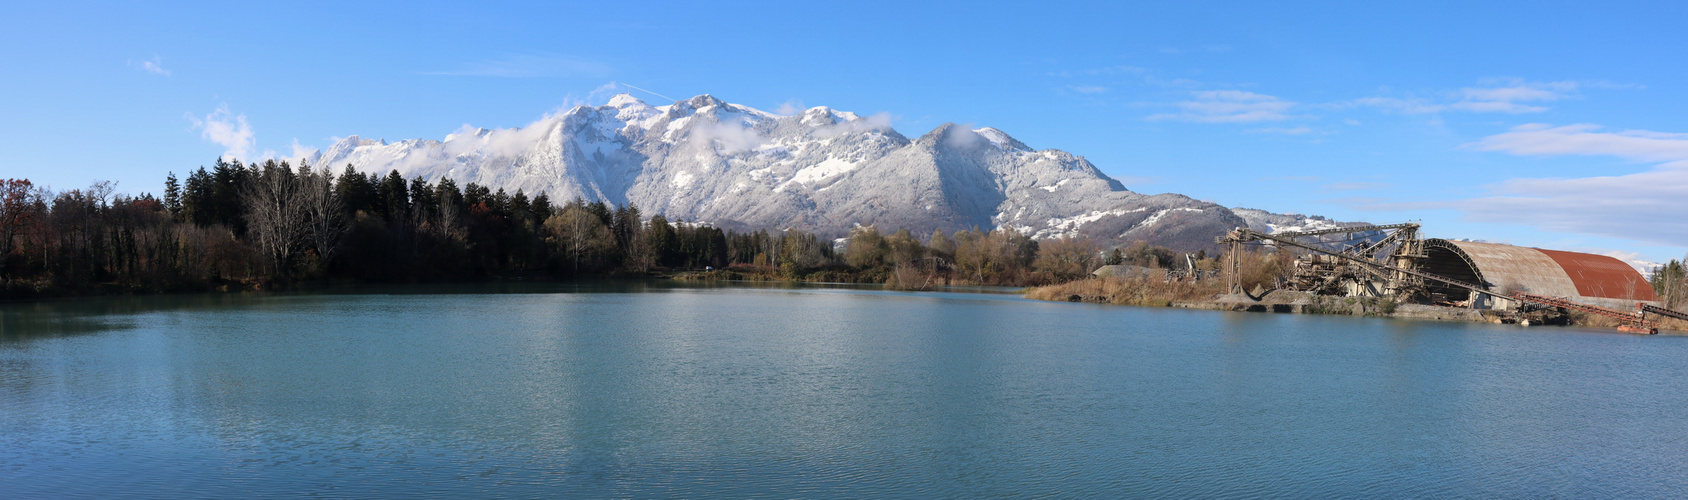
648	92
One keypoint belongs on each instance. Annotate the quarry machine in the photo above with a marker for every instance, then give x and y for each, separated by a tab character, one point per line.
1387	261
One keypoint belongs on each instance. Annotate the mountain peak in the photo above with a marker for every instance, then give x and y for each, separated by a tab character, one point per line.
704	101
824	170
1001	139
624	100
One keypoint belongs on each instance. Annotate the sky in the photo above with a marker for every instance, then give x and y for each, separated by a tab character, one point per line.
1549	124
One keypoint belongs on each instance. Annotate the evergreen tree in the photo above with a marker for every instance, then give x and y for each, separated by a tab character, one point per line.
541	208
355	191
228	183
394	195
602	211
197	201
500	202
173	197
424	205
626	225
663	241
520	210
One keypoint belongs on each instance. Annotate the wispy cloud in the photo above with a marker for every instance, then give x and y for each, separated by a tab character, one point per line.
1644	206
154	65
1281	130
531	66
1217	47
1228	106
300	152
1540	139
1087	89
1511	96
1353	186
790	107
613	88
227	129
1291	178
1102	71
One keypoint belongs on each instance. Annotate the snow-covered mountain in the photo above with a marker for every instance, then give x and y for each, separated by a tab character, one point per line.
821	170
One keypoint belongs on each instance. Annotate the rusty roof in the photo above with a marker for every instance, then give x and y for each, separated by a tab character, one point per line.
1602	276
1556	273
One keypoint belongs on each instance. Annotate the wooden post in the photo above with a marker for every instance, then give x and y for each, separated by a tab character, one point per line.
1231	282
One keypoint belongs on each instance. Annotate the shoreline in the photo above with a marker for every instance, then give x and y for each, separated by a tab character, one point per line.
1144	294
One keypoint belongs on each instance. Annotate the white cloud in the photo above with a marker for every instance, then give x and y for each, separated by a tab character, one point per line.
1634	259
301	152
1088	89
1353	186
1203	48
1644	206
228	130
1104	71
1501	96
875	122
604	92
1229	106
154	65
963	137
1539	139
790	107
1550	91
727	138
508	142
531	66
1281	130
1494	107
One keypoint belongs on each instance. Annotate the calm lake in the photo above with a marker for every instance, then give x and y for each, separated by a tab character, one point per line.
662	390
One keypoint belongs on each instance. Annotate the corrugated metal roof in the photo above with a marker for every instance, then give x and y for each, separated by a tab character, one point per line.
1584	277
1510	268
1602	276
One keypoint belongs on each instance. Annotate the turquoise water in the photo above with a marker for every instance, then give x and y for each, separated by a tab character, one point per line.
651	390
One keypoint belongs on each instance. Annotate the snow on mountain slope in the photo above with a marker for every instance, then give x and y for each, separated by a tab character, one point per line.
1268	222
821	170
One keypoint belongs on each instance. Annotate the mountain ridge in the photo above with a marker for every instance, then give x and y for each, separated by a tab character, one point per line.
821	170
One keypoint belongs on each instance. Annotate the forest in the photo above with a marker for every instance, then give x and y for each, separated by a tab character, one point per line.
271	225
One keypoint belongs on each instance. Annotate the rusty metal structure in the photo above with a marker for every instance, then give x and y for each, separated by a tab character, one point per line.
1392	261
1580	277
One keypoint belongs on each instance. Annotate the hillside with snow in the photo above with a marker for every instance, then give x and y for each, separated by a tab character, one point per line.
820	170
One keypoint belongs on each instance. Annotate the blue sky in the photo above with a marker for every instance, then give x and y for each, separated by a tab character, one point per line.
1558	125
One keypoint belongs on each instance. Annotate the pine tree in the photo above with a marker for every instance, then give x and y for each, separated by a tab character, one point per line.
354	191
394	195
663	241
541	208
197	200
173	197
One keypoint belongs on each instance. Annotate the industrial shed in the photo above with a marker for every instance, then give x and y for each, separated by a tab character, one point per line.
1587	278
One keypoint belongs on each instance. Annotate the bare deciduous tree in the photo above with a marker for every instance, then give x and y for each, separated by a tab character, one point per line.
1067	257
20	203
325	211
275	215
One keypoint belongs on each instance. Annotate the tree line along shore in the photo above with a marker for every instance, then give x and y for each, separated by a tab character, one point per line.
272	225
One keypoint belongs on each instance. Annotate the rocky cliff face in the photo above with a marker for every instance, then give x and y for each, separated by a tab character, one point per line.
821	170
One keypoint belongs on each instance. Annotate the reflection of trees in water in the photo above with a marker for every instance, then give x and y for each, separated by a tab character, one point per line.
61	318
18	327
